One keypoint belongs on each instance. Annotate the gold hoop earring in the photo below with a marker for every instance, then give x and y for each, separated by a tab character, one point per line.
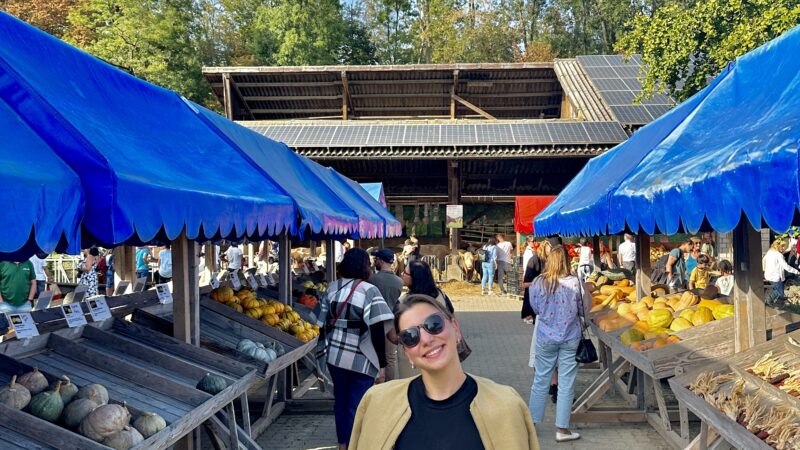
412	365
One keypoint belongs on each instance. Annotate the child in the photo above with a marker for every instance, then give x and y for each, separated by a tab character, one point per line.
701	273
725	281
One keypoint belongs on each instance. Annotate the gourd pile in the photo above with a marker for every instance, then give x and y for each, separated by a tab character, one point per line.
270	312
651	320
260	352
85	410
777	426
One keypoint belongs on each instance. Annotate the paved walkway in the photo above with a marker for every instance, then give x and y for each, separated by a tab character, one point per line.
500	344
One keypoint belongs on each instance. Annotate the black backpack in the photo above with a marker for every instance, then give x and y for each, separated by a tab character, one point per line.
658	274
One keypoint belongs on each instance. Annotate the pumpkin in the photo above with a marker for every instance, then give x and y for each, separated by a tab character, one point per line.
104	421
15	395
35	381
630	336
655	332
95	391
124	439
687	314
149	424
680	324
244	345
722	311
48	405
702	315
660	318
213	384
68	390
77	410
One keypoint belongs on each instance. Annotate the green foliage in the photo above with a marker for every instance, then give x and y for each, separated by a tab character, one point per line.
690	43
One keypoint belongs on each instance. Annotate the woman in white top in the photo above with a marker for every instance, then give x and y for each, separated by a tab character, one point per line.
775	268
165	264
585	263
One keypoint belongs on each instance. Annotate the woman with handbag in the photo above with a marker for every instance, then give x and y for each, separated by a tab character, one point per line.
444	408
356	320
558	300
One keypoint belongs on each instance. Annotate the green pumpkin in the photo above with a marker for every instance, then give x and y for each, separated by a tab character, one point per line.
68	390
77	410
15	395
48	405
149	424
213	384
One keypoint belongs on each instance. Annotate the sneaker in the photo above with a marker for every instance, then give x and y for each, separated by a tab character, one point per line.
490	293
483	292
572	436
528	321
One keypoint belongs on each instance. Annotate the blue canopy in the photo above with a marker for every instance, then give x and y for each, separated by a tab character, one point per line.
393	226
41	200
147	163
370	224
583	206
376	191
737	152
321	210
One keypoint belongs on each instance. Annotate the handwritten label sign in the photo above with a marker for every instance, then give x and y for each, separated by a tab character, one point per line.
262	280
237	284
23	324
74	315
139	285
251	280
214	280
164	294
43	302
122	287
98	308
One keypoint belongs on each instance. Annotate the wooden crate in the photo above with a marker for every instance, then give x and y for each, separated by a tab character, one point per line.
728	429
152	377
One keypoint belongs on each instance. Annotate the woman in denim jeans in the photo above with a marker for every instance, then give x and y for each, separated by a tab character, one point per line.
488	265
554	297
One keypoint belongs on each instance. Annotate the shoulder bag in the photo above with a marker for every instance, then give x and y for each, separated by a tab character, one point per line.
586	352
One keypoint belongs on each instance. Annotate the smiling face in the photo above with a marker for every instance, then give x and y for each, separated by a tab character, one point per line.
433	352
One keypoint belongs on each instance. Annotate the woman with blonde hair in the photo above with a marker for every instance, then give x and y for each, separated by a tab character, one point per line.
443	408
559	300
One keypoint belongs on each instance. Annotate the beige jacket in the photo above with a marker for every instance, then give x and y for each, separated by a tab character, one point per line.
502	418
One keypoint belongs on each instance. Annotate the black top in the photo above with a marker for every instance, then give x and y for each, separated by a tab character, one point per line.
532	270
440	424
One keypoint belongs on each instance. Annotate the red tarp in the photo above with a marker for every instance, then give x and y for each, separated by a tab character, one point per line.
526	207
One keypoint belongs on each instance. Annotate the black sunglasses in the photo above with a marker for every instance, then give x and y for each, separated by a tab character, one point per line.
433	325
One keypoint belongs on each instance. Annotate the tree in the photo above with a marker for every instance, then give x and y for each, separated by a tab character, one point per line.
683	46
356	46
388	23
47	15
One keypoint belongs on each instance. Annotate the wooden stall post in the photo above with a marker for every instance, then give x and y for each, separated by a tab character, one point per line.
284	269
454	198
211	257
186	287
596	252
330	260
643	282
748	294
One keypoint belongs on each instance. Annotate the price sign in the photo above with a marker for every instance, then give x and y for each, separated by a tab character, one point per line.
43	302
98	308
214	280
237	284
23	324
122	287
78	294
74	315
263	280
272	281
164	295
140	284
251	280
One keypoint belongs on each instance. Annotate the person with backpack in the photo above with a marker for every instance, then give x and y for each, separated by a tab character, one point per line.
674	268
488	257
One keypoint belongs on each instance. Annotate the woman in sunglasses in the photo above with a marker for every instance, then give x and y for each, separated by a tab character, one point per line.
444	408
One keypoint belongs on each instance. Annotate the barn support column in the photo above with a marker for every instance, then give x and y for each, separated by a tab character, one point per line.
454	198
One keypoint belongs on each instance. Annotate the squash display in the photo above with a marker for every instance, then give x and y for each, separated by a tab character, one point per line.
631	335
213	384
722	311
149	424
68	390
35	381
256	350
77	410
660	318
124	439
95	391
48	405
104	421
15	395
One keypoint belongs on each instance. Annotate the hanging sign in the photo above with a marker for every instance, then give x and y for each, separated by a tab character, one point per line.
454	217
43	302
164	295
98	308
251	280
74	315
237	284
272	281
214	280
122	287
23	324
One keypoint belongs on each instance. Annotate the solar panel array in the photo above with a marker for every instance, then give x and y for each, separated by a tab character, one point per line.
618	84
395	135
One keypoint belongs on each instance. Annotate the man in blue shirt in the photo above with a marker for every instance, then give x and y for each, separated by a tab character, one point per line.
143	257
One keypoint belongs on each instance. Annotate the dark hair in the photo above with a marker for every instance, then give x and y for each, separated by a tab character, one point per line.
422	279
416	299
725	266
41	255
501	236
94	251
703	259
355	264
583	241
168	246
491	241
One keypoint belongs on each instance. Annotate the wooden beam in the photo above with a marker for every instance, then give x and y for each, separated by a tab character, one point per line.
330	260
454	198
289	98
242	102
186	290
453	93
748	293
643	282
227	95
347	100
284	269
